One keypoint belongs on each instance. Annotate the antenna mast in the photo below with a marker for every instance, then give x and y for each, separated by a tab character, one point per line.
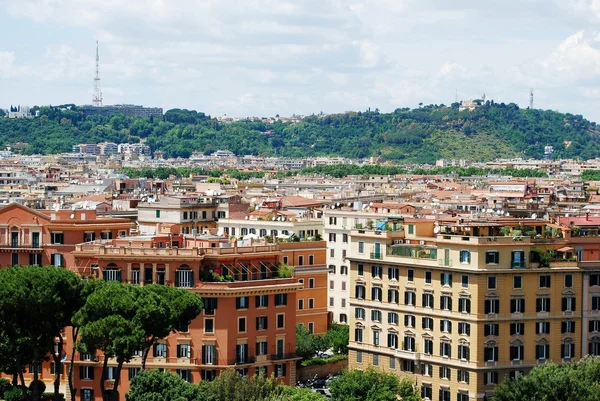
531	99
97	97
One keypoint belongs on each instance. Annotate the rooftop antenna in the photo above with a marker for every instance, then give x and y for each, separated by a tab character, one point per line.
97	97
531	99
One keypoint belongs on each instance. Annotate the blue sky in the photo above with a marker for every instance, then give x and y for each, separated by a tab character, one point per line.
267	57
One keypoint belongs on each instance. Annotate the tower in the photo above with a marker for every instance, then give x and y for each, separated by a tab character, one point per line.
97	97
531	99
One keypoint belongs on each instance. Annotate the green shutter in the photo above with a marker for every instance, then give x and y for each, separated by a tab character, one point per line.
177	279
119	276
104	275
192	278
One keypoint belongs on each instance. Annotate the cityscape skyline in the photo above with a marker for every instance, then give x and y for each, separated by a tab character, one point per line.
268	58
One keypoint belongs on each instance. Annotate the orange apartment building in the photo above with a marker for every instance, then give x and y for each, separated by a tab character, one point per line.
247	323
309	261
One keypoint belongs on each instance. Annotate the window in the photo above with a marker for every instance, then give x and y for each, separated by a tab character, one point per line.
542	351
262	301
465	256
345	238
311	259
595	302
35	259
344	270
567	350
445	373
241	353
426	392
410	275
446	302
280	321
463	376
445	326
300	304
376	315
87	394
517	259
393	296
376	337
111	274
331	285
184	278
515	374
444	394
86	372
492	257
464	328
410	320
209	354
14	260
490	378
281	299
491	283
359	291
568	304
393	273
359	356
242	302
427	300
463	352
57	238
595	279
331	237
358	334
359	313
158	214
568	281
517	305
490	354
343	317
427	323
543	304
311	283
567	326
445	349
392	362
409	344
331	301
427	277
208	375
542	328
545	281
58	260
517	282
360	269
516	352
89	236
35	368
311	303
464	280
392	340
446	279
392	318
376	294
262	348
462	396
300	260
261	322
410	298
376	271
184	351
517	329
241	324
464	305
594	326
361	247
428	347
426	369
492	306
491	329
375	359
160	350
209	325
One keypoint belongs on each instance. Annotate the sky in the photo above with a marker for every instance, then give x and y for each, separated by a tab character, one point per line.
268	57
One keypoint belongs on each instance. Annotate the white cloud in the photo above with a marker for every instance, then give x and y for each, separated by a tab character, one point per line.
7	60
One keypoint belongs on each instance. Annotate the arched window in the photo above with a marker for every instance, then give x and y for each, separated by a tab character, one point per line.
111	273
184	277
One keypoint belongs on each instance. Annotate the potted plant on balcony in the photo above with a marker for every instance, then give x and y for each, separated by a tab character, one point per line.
370	224
285	271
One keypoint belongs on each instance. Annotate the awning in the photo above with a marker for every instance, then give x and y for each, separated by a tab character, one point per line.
565	249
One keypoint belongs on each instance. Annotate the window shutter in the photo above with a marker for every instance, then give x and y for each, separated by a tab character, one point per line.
573	326
192	278
104	275
564	304
373	293
513	353
266	321
487	308
486	354
468	353
188	351
486	330
572	346
406	298
574	305
119	276
449	303
449	326
204	354
496	306
591	326
406	320
468	301
450	276
513	305
513	329
257	323
177	279
468	329
563	327
81	372
537	351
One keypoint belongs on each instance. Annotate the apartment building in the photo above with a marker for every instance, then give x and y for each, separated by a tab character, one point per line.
248	321
179	214
457	307
275	223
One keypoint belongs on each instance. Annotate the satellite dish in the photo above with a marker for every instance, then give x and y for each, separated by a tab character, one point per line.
72	216
534	216
507	214
436	229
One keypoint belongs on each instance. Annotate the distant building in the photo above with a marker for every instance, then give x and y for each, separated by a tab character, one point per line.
223	154
108	148
134	148
129	110
19	112
87	148
468	105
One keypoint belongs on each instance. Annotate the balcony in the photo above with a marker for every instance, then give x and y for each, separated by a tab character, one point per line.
280	357
376	255
413	251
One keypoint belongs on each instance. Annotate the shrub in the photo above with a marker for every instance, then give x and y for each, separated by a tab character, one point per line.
50	397
4	387
324	361
16	394
41	387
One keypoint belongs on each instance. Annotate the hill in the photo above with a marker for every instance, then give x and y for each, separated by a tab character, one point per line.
493	130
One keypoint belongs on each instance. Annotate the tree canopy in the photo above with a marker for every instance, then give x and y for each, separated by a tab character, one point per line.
491	131
372	385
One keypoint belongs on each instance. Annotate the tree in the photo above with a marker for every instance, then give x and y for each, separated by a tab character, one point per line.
36	303
108	323
338	337
550	382
152	385
163	309
304	342
371	385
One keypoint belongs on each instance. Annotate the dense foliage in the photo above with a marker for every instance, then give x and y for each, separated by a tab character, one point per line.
309	345
228	386
372	385
420	135
550	382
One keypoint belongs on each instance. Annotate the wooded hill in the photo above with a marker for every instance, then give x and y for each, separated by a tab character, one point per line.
491	131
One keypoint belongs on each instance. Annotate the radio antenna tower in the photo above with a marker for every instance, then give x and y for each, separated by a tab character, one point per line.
97	97
531	99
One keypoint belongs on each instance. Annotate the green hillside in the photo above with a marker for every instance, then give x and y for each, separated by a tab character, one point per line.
419	135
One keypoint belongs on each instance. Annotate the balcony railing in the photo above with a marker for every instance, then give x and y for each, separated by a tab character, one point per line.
377	255
413	251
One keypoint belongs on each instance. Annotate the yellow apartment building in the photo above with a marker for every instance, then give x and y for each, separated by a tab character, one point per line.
458	307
